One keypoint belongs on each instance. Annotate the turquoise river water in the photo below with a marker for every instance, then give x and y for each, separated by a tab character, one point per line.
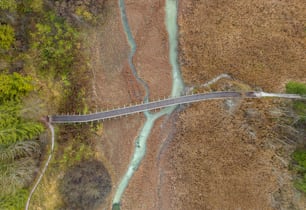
171	9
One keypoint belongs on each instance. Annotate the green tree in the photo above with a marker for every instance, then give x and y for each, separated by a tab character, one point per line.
7	36
55	43
14	86
8	5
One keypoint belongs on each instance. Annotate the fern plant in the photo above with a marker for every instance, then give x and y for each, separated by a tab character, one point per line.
15	201
16	175
13	128
19	150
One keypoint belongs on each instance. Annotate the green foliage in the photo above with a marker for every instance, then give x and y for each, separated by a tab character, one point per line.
8	5
83	12
55	43
7	36
299	158
28	6
19	150
14	86
296	88
13	128
116	206
74	153
16	175
86	185
14	201
298	106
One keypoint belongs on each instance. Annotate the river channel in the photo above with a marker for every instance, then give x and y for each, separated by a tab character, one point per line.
171	10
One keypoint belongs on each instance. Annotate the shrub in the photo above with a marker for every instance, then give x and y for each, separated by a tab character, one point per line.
299	158
13	128
8	5
14	201
14	86
55	43
85	185
16	175
7	36
296	88
298	106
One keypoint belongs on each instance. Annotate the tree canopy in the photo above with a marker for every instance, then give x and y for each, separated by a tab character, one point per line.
8	5
7	36
14	86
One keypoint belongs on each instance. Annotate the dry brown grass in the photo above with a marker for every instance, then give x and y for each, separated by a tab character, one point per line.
260	42
225	159
232	158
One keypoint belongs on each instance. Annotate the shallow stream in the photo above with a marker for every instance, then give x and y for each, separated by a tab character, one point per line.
171	9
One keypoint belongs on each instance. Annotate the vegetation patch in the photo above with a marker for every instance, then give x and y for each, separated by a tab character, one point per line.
299	156
54	42
299	107
15	201
86	185
7	36
299	162
41	72
296	88
19	145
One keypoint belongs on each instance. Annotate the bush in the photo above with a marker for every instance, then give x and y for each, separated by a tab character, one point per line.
116	206
7	36
14	86
13	128
86	185
298	106
14	201
55	43
8	5
299	158
296	88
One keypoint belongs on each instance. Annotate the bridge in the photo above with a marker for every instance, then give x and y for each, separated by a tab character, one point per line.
123	111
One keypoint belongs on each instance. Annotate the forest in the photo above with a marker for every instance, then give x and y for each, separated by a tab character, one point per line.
39	49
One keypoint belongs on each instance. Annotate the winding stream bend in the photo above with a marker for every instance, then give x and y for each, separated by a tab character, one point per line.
171	9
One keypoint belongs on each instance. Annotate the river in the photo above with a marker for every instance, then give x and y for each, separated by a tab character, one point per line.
171	10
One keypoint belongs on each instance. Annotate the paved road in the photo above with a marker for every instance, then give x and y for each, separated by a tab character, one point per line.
156	105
